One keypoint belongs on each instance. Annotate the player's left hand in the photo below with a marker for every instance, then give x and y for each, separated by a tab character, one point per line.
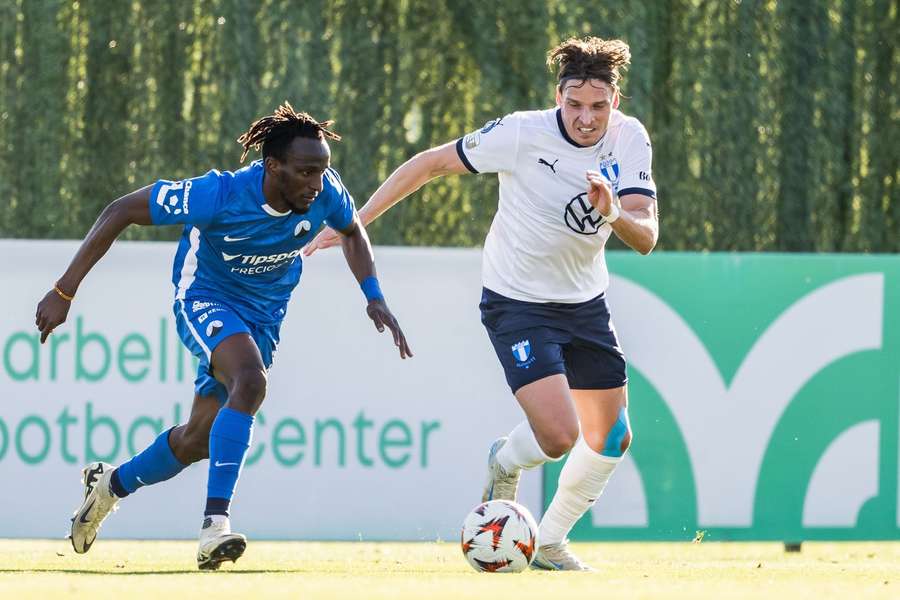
52	311
599	193
382	317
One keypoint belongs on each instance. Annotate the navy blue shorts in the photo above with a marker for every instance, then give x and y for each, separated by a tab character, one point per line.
534	340
204	324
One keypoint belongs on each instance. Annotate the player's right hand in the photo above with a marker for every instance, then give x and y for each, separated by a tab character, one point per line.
52	311
326	238
599	193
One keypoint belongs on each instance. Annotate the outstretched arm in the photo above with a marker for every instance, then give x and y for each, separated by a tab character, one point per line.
409	177
130	209
361	260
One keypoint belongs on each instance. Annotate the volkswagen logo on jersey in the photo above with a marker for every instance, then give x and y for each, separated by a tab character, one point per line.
582	217
302	228
522	353
214	327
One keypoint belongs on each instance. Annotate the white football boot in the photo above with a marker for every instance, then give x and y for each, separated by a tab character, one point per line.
99	501
500	485
558	557
218	544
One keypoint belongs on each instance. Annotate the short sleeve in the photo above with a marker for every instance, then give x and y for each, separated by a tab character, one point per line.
492	148
190	201
635	169
340	213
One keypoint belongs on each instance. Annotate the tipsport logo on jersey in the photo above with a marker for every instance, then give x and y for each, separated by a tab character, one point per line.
765	410
252	264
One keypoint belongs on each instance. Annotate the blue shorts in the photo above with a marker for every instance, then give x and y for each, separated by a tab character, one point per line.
204	324
534	340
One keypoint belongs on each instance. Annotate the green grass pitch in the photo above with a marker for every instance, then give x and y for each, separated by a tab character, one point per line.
159	569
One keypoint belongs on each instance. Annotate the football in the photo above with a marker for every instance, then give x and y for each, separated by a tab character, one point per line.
499	537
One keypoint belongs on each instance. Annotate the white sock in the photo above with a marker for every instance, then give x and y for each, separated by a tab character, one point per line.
522	450
219	521
581	482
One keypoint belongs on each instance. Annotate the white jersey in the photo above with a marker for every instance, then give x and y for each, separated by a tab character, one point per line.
546	241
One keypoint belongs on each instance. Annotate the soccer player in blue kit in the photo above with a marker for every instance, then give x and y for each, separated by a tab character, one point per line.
235	268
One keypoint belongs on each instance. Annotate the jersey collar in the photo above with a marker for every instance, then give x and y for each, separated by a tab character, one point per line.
565	134
271	211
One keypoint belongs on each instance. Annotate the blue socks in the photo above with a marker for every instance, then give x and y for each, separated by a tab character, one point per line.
156	463
229	440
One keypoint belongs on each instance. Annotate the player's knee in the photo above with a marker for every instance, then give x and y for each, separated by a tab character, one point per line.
557	442
190	444
625	442
615	441
248	390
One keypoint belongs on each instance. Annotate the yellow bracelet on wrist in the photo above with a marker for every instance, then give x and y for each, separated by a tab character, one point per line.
62	294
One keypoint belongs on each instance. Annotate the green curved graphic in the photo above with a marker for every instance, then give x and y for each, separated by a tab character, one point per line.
729	302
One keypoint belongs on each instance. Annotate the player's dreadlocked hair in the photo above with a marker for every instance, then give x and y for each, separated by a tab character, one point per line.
590	58
276	131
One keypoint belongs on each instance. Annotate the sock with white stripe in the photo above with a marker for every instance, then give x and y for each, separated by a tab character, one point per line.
582	480
156	463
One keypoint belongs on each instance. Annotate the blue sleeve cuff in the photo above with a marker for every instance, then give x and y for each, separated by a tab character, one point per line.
371	288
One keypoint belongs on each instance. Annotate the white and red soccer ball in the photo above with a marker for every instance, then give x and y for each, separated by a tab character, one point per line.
499	537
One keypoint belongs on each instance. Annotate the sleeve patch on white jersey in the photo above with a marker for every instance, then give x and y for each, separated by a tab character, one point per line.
491	124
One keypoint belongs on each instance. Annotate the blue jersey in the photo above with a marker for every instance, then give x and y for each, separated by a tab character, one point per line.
236	249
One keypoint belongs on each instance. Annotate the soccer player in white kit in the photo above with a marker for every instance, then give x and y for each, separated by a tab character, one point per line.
570	176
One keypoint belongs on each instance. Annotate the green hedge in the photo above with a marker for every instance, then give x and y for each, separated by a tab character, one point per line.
774	123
